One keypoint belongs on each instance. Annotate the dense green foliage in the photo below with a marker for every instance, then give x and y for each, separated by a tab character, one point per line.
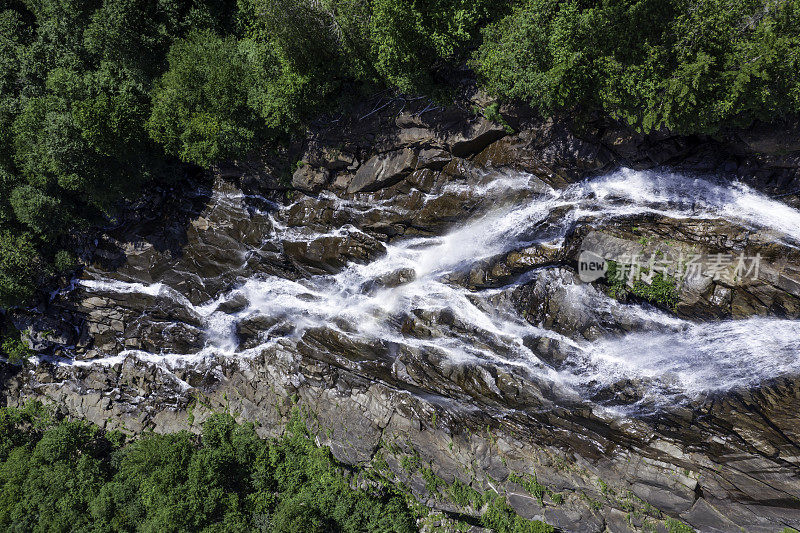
13	348
662	289
75	84
200	109
412	41
686	65
71	476
501	518
98	97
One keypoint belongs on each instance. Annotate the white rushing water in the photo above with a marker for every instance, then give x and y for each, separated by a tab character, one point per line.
678	359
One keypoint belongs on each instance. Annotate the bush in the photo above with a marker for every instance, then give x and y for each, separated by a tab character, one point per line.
65	476
41	213
644	62
200	110
21	269
676	526
15	351
412	41
299	515
65	261
502	519
662	289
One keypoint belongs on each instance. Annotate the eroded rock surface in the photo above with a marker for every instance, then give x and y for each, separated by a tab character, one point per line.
419	295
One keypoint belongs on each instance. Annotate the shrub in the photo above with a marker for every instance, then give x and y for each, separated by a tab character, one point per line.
200	110
502	519
16	351
642	61
411	41
676	526
21	269
70	475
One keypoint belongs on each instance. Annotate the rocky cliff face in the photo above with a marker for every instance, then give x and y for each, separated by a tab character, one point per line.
418	294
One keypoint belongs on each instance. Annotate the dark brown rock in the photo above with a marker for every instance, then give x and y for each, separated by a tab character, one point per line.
474	137
383	170
330	253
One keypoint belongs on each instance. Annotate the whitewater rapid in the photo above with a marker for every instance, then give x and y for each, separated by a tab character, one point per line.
677	359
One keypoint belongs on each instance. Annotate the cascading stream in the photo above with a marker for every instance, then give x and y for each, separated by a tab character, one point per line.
677	359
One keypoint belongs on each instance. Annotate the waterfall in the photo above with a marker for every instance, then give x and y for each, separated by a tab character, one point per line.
670	360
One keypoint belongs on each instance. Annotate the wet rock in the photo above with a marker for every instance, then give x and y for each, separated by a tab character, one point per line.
433	158
767	139
713	289
383	170
118	321
550	151
329	158
640	151
422	180
254	330
310	179
392	279
221	239
317	212
233	305
503	269
331	253
167	337
623	392
438	214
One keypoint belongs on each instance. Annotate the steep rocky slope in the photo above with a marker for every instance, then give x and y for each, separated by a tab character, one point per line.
418	294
